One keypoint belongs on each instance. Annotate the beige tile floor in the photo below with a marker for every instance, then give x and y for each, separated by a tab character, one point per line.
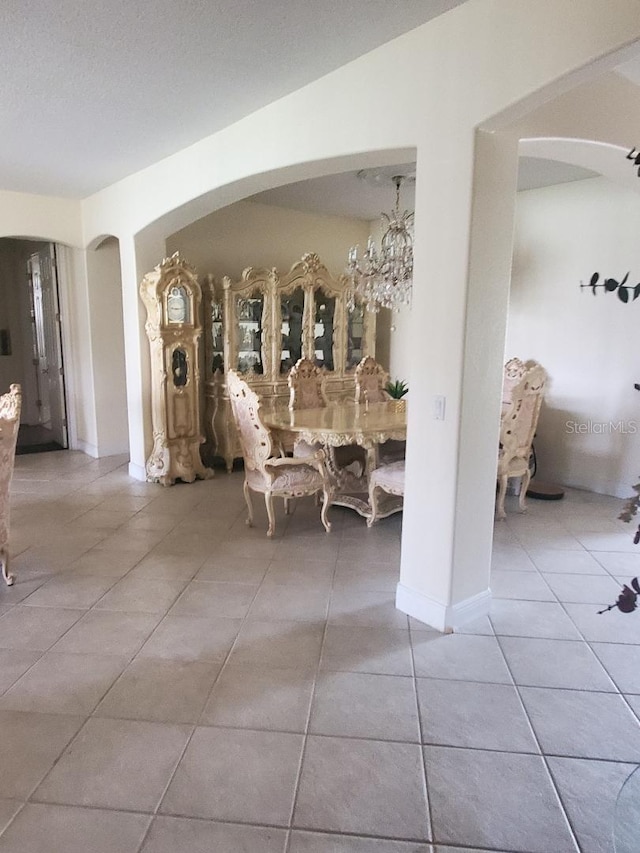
174	682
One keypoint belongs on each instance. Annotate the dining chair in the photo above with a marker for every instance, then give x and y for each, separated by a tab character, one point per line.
9	424
371	379
307	391
517	429
266	472
306	383
514	371
387	478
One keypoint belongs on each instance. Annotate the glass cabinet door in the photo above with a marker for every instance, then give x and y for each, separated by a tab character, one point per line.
292	313
324	311
217	346
355	336
249	334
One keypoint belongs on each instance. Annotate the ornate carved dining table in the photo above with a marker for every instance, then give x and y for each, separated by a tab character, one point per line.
339	425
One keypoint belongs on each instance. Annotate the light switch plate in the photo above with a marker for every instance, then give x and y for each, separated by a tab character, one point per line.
439	403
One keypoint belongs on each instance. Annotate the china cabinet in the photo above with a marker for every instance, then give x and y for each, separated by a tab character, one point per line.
262	324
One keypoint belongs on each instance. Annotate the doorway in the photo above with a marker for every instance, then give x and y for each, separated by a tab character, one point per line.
46	428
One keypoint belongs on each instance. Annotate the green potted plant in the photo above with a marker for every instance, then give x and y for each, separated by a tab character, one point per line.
396	390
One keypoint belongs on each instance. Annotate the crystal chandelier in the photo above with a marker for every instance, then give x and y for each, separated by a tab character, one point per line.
383	278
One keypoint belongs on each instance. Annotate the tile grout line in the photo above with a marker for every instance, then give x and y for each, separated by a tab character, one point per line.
421	743
290	830
90	716
303	751
542	752
193	727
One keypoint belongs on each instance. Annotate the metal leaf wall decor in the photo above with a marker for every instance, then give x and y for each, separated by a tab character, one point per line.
634	155
626	292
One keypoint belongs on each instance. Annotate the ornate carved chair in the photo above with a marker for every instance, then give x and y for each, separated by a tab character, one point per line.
306	386
517	428
264	472
9	424
371	379
307	391
389	479
514	370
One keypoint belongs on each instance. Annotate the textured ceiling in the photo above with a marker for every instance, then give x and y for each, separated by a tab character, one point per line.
91	92
349	195
534	172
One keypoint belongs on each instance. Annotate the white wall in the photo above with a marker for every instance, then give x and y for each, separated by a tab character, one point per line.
400	357
588	344
107	348
260	235
37	217
77	349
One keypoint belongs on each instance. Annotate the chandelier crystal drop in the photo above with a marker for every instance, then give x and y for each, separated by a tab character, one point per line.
383	278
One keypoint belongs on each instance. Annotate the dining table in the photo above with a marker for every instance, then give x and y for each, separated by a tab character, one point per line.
341	424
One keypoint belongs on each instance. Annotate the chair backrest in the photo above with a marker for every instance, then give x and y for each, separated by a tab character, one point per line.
371	379
520	421
306	386
514	371
255	438
9	424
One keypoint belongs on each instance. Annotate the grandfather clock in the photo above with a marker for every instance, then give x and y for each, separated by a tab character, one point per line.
172	295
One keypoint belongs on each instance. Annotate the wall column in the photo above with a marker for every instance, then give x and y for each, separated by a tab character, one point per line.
138	255
457	326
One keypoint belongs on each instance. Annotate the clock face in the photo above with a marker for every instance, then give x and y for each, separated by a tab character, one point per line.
177	306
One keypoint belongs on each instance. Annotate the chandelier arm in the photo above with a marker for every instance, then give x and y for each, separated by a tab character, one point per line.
384	278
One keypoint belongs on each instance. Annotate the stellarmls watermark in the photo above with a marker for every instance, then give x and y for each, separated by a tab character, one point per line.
601	427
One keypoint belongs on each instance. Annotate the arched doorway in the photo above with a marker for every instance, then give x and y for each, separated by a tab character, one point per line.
105	318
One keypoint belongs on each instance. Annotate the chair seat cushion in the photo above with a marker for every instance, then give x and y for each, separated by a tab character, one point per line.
390	478
296	480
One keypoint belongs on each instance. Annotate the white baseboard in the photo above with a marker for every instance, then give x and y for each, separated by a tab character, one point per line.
615	488
440	616
137	472
85	447
117	449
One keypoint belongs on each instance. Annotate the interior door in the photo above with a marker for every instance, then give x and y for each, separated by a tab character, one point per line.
47	342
